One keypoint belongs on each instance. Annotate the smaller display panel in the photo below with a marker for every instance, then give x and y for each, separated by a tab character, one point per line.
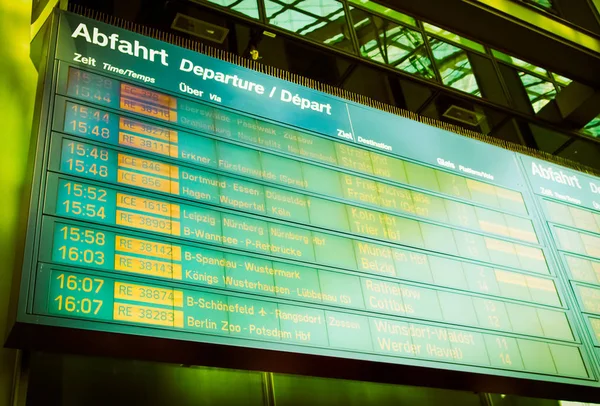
571	206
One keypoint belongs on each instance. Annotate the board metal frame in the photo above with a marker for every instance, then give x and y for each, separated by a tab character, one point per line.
35	332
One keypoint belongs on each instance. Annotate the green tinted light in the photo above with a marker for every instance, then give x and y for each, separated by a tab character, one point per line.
547	4
386	12
593	127
454	38
519	63
561	80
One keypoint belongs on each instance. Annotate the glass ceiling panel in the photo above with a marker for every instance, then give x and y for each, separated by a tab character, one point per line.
386	42
539	91
593	127
386	12
246	7
547	4
519	63
561	80
452	37
454	66
323	21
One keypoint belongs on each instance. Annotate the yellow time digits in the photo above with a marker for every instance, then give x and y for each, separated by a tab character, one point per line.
87	92
82	76
87	236
79	208
87	210
72	305
91	192
93	114
85	284
86	256
94	152
78	165
83	127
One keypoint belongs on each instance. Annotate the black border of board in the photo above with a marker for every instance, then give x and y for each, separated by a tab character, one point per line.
94	343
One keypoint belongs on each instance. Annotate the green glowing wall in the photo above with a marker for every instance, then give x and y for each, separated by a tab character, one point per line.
17	91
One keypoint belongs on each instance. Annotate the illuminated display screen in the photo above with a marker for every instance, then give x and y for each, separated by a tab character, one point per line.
215	217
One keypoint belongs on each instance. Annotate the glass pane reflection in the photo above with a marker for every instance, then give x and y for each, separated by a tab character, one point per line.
519	63
386	42
452	37
320	20
561	79
386	12
539	91
593	127
546	4
246	7
454	66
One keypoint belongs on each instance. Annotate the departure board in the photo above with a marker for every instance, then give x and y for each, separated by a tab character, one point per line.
184	199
